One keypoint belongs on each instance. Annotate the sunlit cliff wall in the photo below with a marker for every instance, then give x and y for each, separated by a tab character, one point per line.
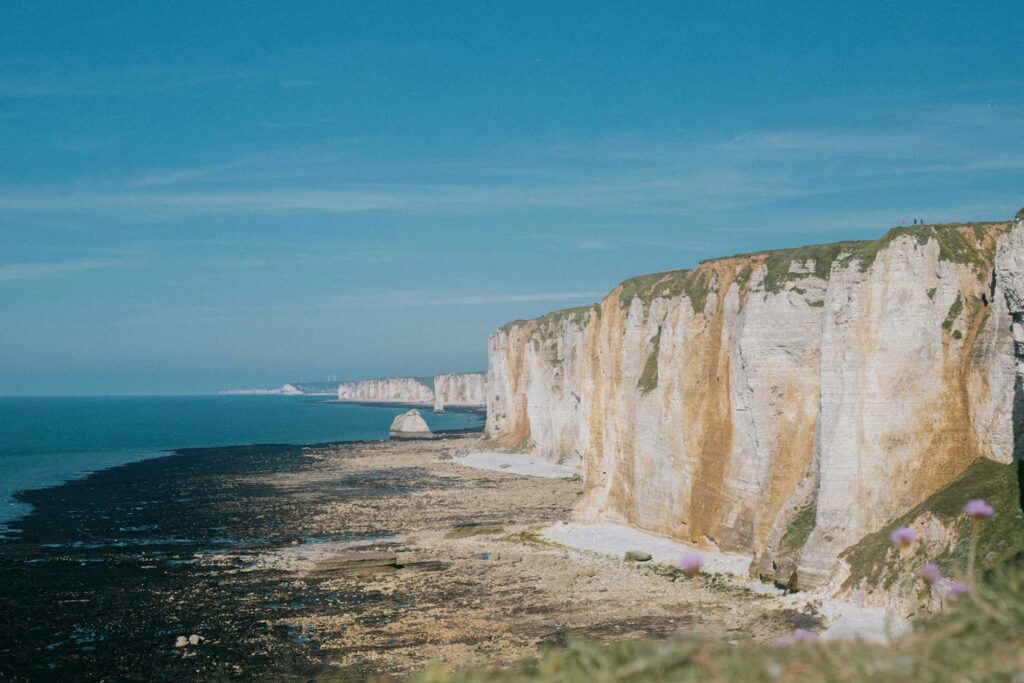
778	404
460	389
388	390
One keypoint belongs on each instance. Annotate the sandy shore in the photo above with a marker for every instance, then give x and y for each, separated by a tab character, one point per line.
484	579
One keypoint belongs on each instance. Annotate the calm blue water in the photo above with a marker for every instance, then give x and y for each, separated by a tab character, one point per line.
45	441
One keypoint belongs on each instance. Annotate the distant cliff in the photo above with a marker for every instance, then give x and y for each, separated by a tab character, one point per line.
389	390
780	404
464	389
460	389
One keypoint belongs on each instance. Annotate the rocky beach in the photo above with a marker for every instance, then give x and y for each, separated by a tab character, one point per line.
345	561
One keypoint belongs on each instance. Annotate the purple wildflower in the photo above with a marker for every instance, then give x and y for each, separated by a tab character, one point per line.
802	635
931	574
783	641
902	537
978	509
691	564
955	590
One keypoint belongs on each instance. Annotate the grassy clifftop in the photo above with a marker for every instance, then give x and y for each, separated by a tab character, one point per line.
963	243
576	315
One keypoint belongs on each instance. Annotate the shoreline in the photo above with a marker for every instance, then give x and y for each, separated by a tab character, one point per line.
48	457
355	559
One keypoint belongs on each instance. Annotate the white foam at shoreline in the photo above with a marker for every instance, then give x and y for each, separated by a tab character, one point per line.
517	463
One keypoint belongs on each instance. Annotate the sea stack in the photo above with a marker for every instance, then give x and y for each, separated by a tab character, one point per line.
410	425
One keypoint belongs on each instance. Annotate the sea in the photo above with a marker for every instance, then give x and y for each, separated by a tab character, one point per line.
47	440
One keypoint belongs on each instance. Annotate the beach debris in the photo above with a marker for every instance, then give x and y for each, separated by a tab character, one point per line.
637	556
410	425
185	641
355	561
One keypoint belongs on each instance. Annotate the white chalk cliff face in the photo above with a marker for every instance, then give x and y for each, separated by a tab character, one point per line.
460	389
782	404
388	390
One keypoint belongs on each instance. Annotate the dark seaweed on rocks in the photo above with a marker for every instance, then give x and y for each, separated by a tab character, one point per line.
106	572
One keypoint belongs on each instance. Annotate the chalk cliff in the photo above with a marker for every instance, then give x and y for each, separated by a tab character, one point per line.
460	389
389	390
779	404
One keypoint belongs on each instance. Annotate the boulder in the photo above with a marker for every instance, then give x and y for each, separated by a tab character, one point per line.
637	556
410	425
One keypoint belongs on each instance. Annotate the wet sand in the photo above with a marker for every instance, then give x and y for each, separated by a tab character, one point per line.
344	562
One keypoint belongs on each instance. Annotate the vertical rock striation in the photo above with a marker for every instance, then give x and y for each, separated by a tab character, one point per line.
460	389
779	404
388	390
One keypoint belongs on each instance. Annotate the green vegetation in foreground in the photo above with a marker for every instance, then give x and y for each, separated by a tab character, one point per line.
977	639
874	562
649	377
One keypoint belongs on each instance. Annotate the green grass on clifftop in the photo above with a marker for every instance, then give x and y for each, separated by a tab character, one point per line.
577	315
955	245
693	283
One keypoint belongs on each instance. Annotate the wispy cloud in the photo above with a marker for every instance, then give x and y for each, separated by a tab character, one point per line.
54	269
731	173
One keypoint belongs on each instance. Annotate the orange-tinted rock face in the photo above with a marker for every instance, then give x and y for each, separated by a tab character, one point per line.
711	405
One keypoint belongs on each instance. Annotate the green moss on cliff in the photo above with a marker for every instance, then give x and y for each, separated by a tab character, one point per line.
798	530
649	377
874	562
954	313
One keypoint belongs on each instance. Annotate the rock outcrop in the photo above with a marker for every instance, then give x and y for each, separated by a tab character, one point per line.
464	389
417	390
779	404
410	425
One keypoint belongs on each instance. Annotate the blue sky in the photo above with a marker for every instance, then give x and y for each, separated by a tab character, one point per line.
196	196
